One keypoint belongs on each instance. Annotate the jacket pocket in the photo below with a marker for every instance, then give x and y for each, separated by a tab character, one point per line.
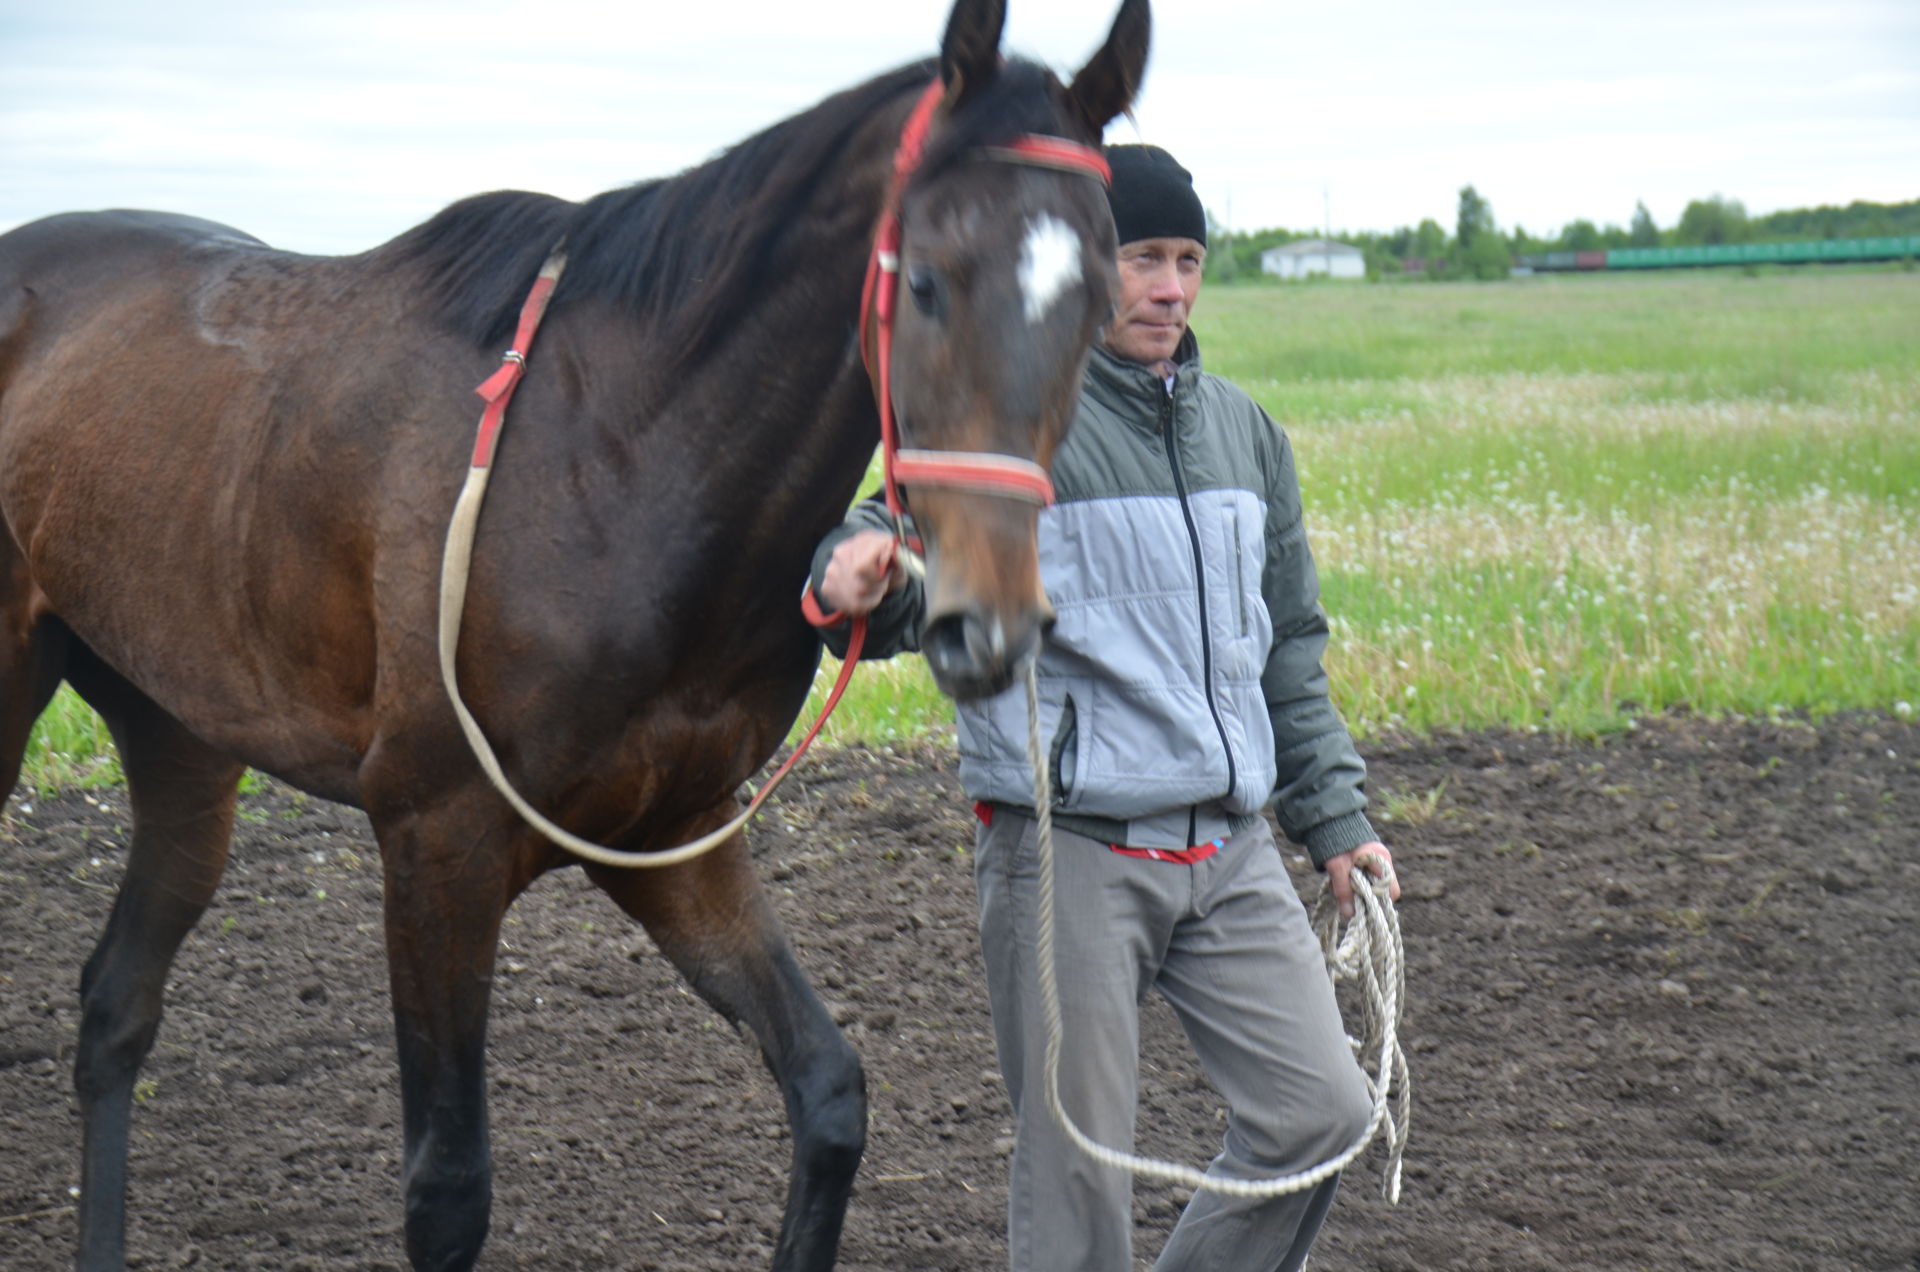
1063	758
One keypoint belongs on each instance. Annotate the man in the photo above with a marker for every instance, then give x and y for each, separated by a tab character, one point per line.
1181	690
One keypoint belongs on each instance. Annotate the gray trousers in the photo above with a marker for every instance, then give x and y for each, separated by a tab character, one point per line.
1227	943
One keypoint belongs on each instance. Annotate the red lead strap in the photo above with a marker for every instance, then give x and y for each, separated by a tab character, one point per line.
498	388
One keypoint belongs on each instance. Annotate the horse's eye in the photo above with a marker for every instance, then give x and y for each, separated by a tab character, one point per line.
929	297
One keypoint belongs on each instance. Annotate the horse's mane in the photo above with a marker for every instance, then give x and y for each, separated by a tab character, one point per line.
686	248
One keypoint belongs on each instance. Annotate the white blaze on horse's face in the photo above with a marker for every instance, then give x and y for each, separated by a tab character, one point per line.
1049	264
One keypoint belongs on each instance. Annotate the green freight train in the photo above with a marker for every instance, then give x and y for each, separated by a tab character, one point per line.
1886	248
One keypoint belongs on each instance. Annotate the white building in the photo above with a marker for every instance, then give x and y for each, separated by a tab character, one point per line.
1314	256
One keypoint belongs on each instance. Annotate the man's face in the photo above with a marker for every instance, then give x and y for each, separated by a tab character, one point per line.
1159	281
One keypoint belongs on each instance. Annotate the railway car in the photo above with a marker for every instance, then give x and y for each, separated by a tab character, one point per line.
1885	248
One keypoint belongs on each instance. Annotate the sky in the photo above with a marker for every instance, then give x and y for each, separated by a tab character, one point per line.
332	127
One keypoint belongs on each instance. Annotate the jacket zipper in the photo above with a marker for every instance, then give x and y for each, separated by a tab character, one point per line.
1200	590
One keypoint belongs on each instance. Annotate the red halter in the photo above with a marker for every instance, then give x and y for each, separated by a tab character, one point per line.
993	474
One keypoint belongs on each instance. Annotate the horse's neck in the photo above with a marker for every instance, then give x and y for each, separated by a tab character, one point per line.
767	430
784	380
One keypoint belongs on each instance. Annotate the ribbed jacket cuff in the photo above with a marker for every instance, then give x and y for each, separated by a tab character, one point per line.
1342	834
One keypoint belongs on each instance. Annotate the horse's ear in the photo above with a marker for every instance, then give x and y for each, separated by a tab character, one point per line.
1106	85
970	52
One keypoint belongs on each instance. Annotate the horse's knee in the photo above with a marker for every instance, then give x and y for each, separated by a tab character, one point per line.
829	1109
116	1032
447	1217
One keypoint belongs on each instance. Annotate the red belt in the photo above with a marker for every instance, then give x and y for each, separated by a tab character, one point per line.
1179	856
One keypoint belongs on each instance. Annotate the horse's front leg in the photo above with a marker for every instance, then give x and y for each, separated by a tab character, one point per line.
711	918
182	795
450	875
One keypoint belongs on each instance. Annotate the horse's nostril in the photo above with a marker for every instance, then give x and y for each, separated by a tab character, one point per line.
944	641
972	656
961	646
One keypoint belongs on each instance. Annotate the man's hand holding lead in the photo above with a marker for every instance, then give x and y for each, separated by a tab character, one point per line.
1375	858
864	568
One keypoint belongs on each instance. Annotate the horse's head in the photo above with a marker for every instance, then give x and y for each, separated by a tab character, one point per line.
1006	271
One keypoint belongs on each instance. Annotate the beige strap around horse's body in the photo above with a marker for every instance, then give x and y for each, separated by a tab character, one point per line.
456	564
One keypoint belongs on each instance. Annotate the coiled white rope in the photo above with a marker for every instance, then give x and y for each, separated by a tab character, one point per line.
1369	952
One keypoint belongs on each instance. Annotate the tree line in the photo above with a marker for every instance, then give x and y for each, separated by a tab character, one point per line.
1476	247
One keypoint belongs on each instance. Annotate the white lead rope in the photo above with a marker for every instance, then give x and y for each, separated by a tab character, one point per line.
1370	952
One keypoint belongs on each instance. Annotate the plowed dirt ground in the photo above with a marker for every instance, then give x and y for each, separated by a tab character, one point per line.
1665	1014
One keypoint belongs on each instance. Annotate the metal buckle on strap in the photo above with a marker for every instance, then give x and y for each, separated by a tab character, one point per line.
908	548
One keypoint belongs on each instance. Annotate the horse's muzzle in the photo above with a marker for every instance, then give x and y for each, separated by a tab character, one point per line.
973	655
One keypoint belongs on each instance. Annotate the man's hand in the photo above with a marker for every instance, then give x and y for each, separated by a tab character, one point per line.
1377	861
864	568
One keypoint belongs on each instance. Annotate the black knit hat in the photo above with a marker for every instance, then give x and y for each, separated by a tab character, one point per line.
1152	196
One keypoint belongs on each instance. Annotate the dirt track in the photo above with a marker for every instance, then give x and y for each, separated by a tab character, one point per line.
1665	1014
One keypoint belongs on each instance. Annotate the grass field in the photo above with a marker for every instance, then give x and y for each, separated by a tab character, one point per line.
1564	502
1557	502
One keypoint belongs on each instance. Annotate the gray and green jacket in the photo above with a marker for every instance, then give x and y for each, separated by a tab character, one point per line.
1182	687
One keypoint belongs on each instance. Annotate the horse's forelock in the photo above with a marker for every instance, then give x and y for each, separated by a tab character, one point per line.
1023	98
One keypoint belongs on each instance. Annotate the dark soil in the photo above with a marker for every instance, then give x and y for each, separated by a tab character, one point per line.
1665	1014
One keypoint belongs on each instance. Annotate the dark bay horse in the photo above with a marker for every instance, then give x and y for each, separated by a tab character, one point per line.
226	474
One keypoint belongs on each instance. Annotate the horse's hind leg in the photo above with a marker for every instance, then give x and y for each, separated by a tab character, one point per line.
33	655
712	920
182	795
